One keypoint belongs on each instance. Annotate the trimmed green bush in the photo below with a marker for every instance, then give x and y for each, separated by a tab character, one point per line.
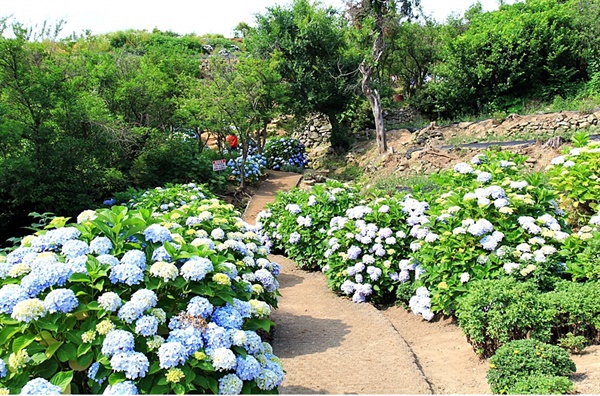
525	361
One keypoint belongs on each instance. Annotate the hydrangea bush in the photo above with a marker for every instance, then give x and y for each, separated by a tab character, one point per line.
140	301
369	248
489	227
285	151
575	175
254	168
298	221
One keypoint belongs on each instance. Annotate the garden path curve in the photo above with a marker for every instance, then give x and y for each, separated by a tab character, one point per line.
328	344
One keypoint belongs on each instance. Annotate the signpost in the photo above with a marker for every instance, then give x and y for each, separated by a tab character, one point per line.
219	165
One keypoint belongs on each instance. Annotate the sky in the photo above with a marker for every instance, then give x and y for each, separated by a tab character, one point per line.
179	16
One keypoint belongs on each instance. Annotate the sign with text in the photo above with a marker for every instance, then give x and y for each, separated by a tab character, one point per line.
219	165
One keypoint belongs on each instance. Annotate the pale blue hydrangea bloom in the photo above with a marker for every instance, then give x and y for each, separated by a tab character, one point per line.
133	364
40	386
10	295
75	248
253	343
161	254
294	238
480	227
117	341
131	311
347	287
215	337
110	301
61	300
374	272
293	208
172	354
108	259
265	278
134	257
230	269
463	168
101	245
230	384
129	274
190	338
243	307
2	369
147	298
217	234
93	372
484	177
199	306
267	380
196	269
147	325
122	388
157	233
354	252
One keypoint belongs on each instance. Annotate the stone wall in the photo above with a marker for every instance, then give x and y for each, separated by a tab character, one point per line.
315	132
550	123
395	117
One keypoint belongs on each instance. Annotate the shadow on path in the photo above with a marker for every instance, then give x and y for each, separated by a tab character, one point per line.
289	280
304	335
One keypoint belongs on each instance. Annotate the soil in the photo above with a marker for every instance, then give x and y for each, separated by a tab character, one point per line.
330	345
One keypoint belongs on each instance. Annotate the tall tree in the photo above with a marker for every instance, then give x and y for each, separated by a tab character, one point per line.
372	17
309	42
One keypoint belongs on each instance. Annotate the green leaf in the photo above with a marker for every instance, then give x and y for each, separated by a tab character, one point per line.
79	277
62	379
7	333
115	378
52	348
21	342
179	389
154	368
82	349
47	325
67	352
38	358
86	359
46	369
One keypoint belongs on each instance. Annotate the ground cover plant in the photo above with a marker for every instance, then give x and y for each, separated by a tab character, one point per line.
140	299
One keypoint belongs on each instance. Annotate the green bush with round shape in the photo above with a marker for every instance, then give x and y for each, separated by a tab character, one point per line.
140	300
526	361
543	385
495	312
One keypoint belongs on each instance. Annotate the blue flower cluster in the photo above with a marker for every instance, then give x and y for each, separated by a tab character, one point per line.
254	167
285	151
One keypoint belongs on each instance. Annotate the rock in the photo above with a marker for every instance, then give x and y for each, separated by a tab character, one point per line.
531	160
584	125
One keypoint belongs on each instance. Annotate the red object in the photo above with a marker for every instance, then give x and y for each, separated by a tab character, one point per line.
232	141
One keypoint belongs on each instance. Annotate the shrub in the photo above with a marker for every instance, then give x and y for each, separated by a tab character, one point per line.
573	344
495	312
576	309
543	385
581	252
298	221
369	249
138	300
254	168
491	223
575	176
285	151
526	361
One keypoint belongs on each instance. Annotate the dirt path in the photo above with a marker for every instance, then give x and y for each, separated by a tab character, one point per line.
330	345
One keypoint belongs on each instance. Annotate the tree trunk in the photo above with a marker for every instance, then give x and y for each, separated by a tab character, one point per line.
375	102
338	141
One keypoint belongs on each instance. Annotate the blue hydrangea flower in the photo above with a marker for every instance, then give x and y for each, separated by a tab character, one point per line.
196	269
215	337
146	298
75	248
117	341
2	369
129	274
122	388
110	301
108	259
243	307
134	364
227	317
131	311
230	384
134	257
40	386
101	245
17	255
93	372
253	343
200	306
77	265
265	278
189	337
147	325
161	254
171	354
247	368
61	300
354	252
267	380
10	295
157	234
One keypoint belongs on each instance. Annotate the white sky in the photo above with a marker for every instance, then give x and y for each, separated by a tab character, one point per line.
180	16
